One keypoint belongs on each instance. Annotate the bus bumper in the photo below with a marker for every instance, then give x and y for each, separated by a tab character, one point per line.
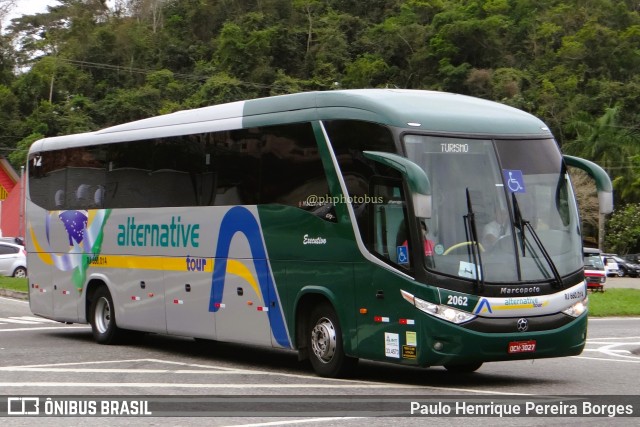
445	343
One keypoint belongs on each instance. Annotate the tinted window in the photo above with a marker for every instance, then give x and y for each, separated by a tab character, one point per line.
7	250
349	139
278	164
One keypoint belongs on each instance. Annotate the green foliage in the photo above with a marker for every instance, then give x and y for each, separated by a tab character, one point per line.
81	66
614	302
15	284
19	156
623	230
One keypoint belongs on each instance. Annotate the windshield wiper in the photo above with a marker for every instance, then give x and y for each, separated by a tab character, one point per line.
523	224
472	236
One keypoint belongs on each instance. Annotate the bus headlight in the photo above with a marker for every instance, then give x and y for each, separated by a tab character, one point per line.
578	308
443	312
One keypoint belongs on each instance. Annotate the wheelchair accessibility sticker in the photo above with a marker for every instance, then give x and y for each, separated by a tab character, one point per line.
514	180
402	254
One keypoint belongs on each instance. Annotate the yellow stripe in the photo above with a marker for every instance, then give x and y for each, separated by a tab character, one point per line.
44	256
518	306
234	267
239	269
133	262
146	263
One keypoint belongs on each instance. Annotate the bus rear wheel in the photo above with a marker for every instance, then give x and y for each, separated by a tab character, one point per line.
325	344
102	317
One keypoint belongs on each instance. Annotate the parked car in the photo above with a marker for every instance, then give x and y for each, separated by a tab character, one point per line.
594	272
632	258
14	240
611	267
13	260
627	268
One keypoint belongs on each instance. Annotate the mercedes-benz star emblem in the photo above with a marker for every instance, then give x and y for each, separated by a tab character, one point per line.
523	325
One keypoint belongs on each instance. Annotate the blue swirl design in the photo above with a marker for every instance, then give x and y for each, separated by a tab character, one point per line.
83	232
240	220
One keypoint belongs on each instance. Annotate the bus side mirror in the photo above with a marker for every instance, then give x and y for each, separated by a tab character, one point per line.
416	178
422	205
603	182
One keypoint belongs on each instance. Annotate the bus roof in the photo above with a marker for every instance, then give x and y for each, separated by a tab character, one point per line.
418	109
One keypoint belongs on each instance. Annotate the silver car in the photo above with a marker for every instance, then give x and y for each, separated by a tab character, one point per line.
13	260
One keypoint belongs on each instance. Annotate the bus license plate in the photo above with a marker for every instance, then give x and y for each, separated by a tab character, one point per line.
522	347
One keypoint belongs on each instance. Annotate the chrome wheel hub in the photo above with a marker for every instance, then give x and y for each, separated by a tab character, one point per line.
323	340
103	315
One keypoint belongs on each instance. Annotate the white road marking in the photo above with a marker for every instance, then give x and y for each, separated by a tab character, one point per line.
623	352
607	360
17	320
26	320
306	420
253	386
43	328
14	300
36	319
330	382
203	386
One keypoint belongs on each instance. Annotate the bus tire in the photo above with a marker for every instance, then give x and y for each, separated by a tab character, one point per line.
463	368
326	352
102	318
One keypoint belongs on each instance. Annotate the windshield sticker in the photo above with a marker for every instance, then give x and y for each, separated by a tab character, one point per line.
439	249
514	180
468	270
402	254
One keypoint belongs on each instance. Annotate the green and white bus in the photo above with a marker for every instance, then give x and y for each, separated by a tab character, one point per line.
340	224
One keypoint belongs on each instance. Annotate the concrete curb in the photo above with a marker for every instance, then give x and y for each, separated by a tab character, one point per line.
14	294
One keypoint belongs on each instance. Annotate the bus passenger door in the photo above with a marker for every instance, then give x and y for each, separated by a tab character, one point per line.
380	333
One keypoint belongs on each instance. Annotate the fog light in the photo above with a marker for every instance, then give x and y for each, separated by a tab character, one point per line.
438	346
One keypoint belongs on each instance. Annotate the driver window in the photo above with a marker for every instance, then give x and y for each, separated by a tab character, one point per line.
390	240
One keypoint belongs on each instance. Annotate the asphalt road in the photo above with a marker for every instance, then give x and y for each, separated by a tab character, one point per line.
44	358
623	282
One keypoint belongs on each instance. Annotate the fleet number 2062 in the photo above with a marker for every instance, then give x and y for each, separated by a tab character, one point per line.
457	300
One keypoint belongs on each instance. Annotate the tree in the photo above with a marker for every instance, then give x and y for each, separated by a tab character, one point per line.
623	235
587	198
6	6
607	143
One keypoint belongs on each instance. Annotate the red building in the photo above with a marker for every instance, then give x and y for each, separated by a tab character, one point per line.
11	201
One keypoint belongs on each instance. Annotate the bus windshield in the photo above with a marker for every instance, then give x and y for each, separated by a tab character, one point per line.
501	209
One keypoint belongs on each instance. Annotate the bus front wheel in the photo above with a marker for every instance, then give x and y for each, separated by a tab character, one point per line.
102	317
325	344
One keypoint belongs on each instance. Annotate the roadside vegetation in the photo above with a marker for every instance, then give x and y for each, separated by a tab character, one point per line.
14	284
88	64
615	302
